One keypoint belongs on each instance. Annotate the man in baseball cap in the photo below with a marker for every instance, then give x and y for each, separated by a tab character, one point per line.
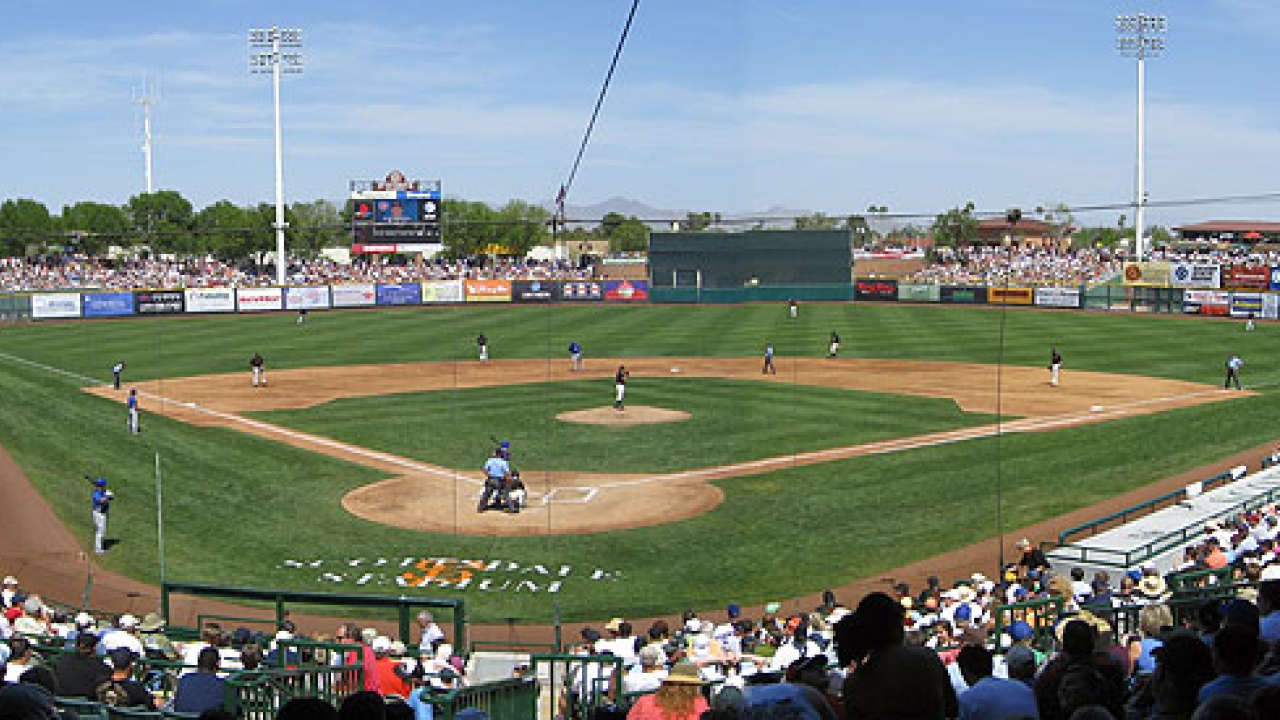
101	500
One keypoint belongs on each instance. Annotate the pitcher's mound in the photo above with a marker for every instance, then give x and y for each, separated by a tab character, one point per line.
632	415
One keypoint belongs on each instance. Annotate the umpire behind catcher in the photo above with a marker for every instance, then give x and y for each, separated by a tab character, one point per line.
496	473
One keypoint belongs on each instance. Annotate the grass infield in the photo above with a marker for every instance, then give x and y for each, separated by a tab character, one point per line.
237	507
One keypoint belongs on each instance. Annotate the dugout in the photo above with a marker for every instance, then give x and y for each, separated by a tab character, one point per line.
751	265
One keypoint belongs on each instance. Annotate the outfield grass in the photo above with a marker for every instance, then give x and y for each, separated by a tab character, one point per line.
237	506
732	421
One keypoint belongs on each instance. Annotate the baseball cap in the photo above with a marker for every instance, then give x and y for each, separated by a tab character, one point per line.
100	482
10	580
1020	630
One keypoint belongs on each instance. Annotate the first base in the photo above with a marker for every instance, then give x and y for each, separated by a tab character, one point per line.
1097	408
675	369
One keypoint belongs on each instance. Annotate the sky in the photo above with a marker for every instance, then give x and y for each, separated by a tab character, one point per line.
730	106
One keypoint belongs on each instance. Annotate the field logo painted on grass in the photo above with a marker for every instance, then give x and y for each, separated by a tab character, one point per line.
448	574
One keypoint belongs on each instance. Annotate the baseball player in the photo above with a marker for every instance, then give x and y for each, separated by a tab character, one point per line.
302	315
620	387
1234	363
504	450
835	345
1055	366
115	374
575	356
793	307
497	472
1248	325
133	411
259	367
768	361
101	499
516	492
483	342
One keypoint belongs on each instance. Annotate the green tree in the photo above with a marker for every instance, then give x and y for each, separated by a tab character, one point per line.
96	225
316	225
816	221
225	230
610	223
956	226
522	226
859	229
630	236
162	219
24	222
468	228
1059	217
699	221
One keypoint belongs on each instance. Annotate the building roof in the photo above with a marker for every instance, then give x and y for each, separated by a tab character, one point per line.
1231	226
1026	226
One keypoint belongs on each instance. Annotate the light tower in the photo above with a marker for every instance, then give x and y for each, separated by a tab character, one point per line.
266	56
148	97
1141	36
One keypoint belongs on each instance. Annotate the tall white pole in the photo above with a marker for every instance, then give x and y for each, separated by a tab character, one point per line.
160	519
1140	189
281	261
146	141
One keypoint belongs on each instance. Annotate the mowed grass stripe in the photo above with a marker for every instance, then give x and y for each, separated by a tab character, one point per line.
732	421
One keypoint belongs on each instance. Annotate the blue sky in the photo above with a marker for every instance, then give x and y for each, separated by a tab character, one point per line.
723	105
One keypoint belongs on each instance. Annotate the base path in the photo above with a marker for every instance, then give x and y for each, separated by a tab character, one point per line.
428	497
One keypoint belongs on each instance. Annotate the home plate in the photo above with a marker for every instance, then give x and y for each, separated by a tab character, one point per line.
1097	408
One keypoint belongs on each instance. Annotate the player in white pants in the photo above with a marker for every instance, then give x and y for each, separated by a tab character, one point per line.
620	387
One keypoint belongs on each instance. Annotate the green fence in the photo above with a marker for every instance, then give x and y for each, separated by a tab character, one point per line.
1131	298
759	293
576	684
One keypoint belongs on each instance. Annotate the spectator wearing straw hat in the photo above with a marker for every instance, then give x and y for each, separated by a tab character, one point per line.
679	697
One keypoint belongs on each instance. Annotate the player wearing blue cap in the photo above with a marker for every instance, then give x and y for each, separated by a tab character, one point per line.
133	411
101	499
575	356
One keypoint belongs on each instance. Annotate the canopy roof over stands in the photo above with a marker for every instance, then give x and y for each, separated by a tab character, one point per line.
1238	229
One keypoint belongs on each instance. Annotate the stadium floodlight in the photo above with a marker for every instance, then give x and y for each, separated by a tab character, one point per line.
1140	37
266	56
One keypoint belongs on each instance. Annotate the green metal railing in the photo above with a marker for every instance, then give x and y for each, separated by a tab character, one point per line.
578	683
1042	615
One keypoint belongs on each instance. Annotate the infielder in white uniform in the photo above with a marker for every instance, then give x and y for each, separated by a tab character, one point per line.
1055	366
835	344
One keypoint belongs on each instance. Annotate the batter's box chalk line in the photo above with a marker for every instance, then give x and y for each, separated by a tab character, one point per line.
570	495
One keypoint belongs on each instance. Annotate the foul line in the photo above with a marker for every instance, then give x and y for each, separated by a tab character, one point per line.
719	472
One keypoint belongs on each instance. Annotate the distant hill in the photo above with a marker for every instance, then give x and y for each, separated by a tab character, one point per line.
659	218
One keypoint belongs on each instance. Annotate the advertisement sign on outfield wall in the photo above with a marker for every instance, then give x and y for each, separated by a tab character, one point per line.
260	299
1196	275
307	297
488	290
534	291
209	300
962	294
1246	304
158	302
619	290
442	291
579	290
1010	296
55	305
875	290
1060	297
1206	302
113	304
399	294
1271	306
1152	274
918	293
353	295
1247	277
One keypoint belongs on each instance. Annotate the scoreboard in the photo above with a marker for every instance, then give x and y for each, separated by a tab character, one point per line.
395	215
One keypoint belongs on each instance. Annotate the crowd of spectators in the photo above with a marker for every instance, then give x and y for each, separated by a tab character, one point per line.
84	272
936	651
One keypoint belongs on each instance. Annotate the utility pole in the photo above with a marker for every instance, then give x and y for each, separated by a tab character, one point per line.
275	61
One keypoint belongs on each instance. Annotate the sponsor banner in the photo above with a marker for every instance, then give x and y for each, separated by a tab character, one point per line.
618	290
1010	296
202	300
260	299
488	290
1271	306
1246	304
1275	279
107	304
1206	302
1147	273
1251	277
354	295
442	291
55	305
962	294
399	294
1063	297
308	297
918	293
1196	275
158	302
875	290
590	290
534	291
